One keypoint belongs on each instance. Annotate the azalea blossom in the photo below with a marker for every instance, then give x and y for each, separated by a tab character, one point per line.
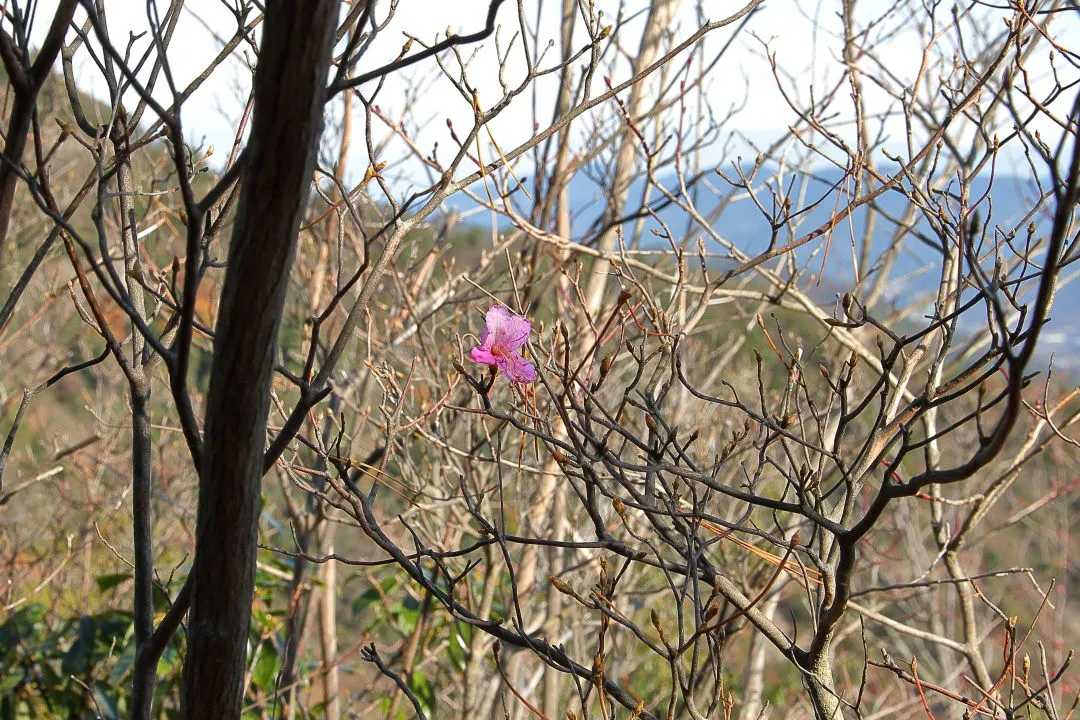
504	335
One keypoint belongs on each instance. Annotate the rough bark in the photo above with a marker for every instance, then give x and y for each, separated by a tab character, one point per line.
289	93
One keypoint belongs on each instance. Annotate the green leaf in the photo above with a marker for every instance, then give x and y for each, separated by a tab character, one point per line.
111	580
363	602
372	596
20	627
384	707
109	710
122	666
406	613
9	681
162	603
262	620
266	668
77	658
170	660
420	686
114	629
460	641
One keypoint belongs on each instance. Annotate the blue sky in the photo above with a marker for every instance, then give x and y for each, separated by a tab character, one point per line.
803	35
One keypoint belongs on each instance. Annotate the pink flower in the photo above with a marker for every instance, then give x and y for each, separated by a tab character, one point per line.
505	334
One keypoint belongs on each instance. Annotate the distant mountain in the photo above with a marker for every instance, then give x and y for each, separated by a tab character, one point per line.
916	268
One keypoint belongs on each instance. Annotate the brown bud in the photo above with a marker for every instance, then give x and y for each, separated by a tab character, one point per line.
605	365
562	587
650	423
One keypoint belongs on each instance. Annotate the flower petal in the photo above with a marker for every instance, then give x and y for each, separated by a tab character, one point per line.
517	368
517	332
505	328
496	320
482	354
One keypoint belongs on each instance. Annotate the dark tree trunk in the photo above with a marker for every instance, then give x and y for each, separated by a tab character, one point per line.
290	91
27	83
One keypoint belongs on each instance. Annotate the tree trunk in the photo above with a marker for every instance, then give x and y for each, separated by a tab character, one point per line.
661	16
27	83
328	631
289	92
753	696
